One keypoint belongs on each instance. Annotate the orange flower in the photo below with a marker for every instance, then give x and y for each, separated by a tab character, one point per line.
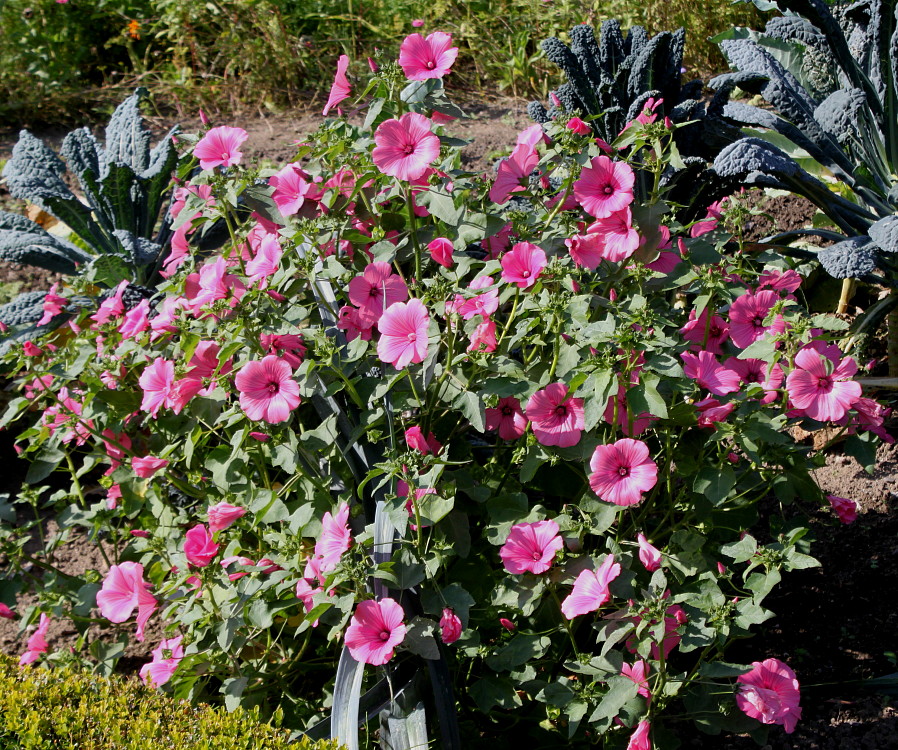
134	29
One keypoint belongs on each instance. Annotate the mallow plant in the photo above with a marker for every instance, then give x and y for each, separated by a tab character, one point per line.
447	455
830	74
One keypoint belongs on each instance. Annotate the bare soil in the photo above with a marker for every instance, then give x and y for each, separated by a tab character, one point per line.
834	625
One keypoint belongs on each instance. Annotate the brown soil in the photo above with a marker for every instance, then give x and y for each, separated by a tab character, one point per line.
834	624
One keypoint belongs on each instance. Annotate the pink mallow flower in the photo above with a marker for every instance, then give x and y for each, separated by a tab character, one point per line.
158	384
334	540
37	643
640	740
450	626
619	236
266	261
146	466
531	547
268	391
375	631
406	147
604	187
290	189
416	441
221	515
483	338
649	556
622	471
556	417
124	589
705	336
403	334
513	172
638	673
820	384
440	250
52	305
375	290
770	694
747	315
587	250
523	264
6	613
705	370
220	147
289	346
578	126
431	57
845	509
591	589
199	548
166	658
340	89
508	418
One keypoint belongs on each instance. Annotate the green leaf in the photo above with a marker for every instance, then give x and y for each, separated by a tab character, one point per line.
471	406
233	688
742	550
519	650
419	638
492	691
715	484
645	398
621	690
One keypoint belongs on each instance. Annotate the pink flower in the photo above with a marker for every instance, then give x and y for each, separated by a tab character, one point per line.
199	549
422	58
591	589
557	418
705	370
604	187
415	440
340	88
619	237
578	126
124	589
531	547
483	339
376	629
507	418
711	411
113	495
306	594
403	330
640	422
674	617
289	346
6	612
440	250
450	626
267	390
221	515
166	658
417	23
758	371
639	740
507	624
513	172
780	281
375	290
52	305
649	556
480	304
136	320
769	693
290	188
587	250
158	384
147	466
622	471
845	509
37	643
350	320
237	575
31	349
638	673
405	147
111	307
523	264
820	384
266	261
220	147
335	539
747	315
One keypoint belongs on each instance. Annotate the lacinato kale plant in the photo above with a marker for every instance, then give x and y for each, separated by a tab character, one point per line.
117	233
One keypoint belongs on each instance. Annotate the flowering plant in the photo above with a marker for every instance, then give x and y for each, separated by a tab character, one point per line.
514	429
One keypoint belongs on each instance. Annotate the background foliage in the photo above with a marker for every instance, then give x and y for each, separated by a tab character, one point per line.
59	61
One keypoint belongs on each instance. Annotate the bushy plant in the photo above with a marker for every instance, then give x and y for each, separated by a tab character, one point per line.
502	440
71	708
116	236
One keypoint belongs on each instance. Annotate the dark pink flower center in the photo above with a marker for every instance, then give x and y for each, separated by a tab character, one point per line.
758	321
608	189
274	387
412	336
385	635
536	555
408	149
825	383
525	274
224	155
714	331
507	411
623	471
374	292
430	65
561	410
